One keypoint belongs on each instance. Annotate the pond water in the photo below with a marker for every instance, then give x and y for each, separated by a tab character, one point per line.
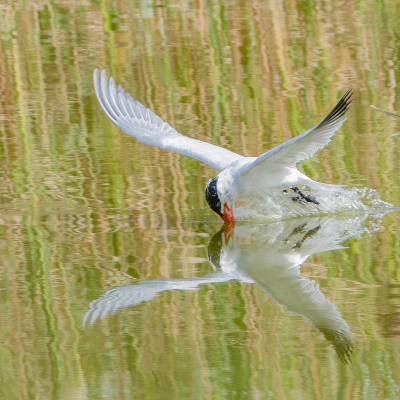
117	281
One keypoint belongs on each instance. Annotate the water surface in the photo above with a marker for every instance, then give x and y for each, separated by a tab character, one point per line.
87	211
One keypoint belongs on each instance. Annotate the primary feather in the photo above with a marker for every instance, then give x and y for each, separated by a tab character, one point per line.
301	147
239	176
138	121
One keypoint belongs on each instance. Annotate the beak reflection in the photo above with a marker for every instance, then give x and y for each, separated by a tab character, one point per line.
269	256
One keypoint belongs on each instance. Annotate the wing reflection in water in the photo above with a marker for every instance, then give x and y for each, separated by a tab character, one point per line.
269	255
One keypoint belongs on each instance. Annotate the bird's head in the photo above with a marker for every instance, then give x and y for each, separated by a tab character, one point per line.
213	200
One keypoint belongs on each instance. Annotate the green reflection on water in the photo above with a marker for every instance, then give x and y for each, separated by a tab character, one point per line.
86	208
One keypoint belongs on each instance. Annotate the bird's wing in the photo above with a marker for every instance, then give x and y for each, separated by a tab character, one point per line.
138	121
301	147
132	295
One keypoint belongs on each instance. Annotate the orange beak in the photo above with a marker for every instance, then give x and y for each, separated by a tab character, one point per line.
228	214
229	230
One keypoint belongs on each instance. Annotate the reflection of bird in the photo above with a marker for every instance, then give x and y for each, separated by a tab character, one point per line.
273	257
132	295
238	176
269	255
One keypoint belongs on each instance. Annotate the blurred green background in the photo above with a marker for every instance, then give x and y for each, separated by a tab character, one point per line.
85	208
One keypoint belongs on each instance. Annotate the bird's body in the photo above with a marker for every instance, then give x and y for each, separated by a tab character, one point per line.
269	255
238	176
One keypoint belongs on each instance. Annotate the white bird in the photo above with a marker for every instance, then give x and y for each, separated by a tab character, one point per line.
269	255
238	175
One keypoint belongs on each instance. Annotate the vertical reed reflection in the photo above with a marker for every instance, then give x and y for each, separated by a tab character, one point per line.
85	208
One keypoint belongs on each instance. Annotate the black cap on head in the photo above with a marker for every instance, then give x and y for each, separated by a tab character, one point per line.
212	196
214	249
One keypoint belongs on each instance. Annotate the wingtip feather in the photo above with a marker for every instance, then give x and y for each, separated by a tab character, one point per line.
102	95
340	111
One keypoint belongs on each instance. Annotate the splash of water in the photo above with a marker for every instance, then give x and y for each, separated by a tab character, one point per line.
277	204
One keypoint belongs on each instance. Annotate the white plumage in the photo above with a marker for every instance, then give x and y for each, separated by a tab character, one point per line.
268	255
138	121
238	175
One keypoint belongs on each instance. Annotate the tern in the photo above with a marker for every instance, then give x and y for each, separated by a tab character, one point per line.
238	175
270	256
